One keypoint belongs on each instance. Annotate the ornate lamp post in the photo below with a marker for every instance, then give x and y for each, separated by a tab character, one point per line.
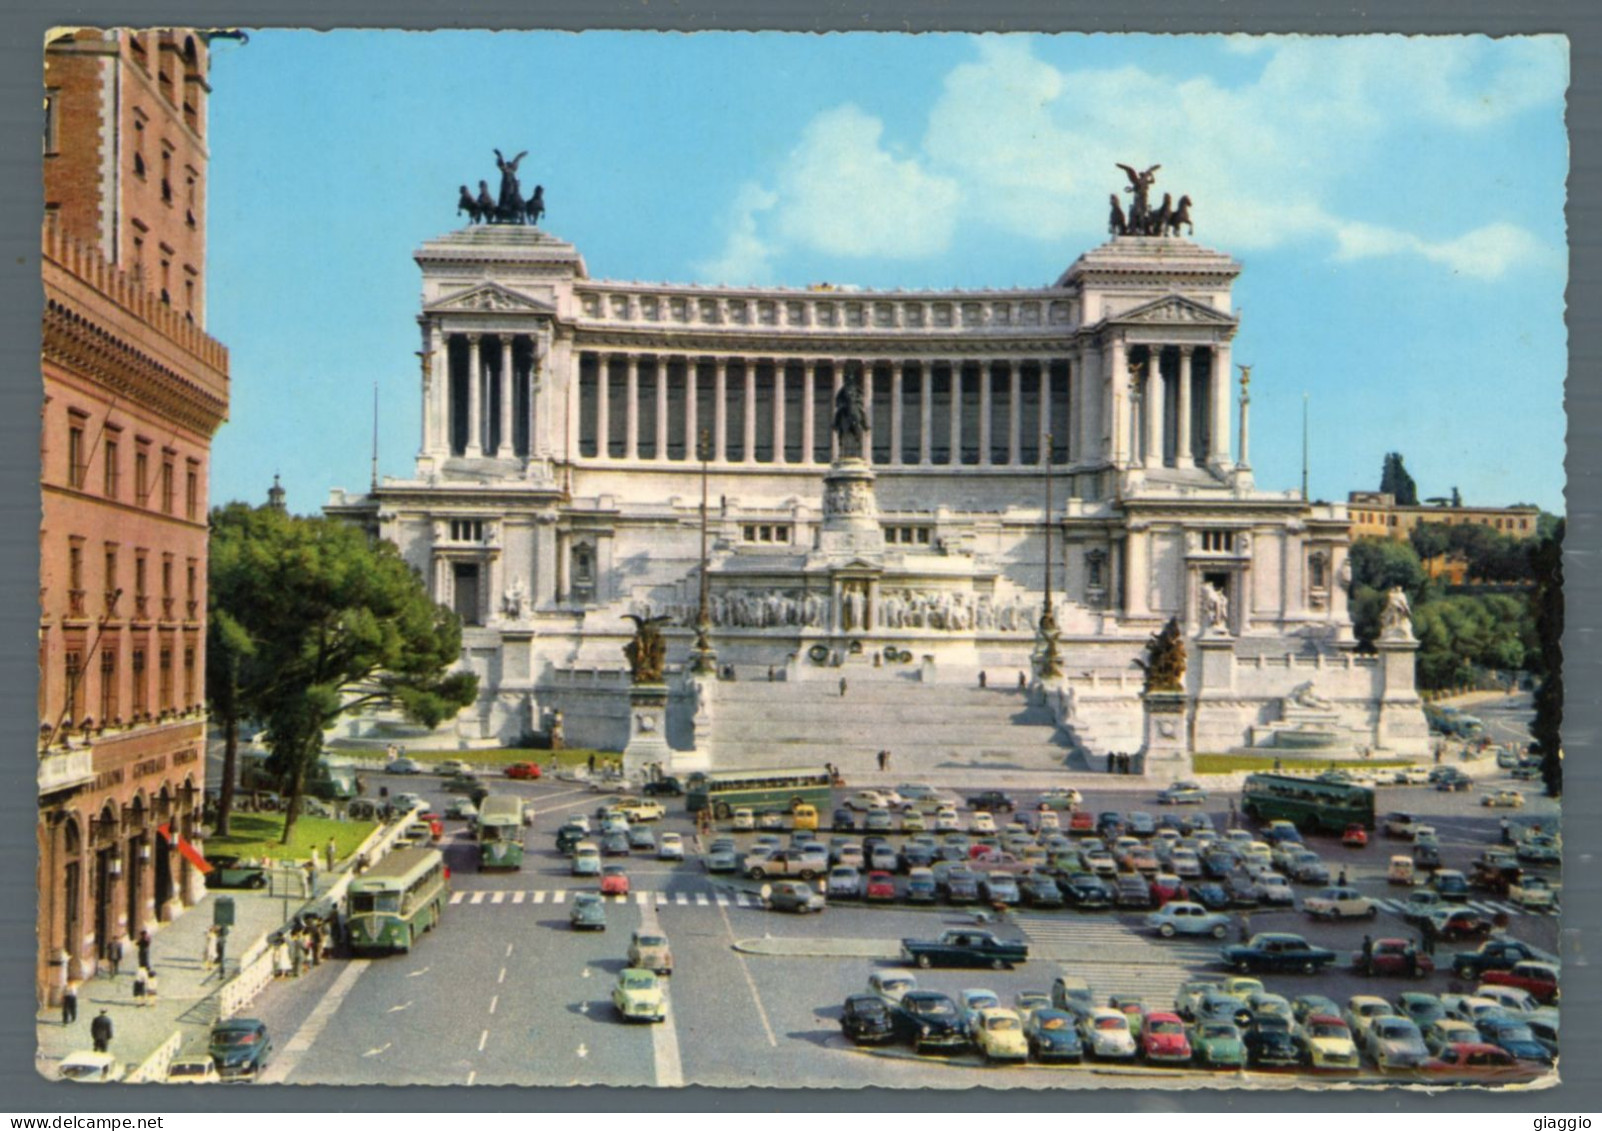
1048	661
703	660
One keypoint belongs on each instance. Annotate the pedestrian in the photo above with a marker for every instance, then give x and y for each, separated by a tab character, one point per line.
592	763
295	952
1507	832
1342	880
100	1030
222	952
151	986
280	957
1245	926
69	1002
333	853
314	943
1410	956
1023	684
114	955
208	958
305	880
981	681
842	687
1232	812
770	673
887	759
144	949
1428	935
139	987
315	860
1368	952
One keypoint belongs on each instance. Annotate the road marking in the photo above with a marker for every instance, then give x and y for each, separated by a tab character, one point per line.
478	896
539	897
723	900
493	1002
700	899
642	897
502	978
661	898
762	1012
519	895
457	897
583	1052
419	973
471	1076
559	896
497	897
316	1022
681	899
509	950
665	1035
399	1008
380	1050
482	1039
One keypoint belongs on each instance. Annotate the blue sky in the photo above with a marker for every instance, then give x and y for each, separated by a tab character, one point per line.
1397	204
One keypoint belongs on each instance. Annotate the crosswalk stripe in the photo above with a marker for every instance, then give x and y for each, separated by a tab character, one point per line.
661	898
700	899
518	896
620	898
723	900
558	896
742	900
478	896
458	896
539	897
497	897
641	898
680	899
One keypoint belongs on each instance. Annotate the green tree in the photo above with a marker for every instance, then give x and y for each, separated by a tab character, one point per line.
1430	539
335	622
1394	480
229	651
1547	730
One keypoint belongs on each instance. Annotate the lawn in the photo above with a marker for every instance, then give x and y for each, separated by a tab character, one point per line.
256	835
1247	763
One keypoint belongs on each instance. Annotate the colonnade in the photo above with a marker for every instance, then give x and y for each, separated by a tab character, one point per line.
483	394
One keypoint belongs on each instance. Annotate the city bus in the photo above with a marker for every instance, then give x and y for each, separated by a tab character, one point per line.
500	832
396	900
1311	804
762	791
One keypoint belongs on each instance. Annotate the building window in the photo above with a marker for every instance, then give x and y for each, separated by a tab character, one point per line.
168	487
191	602
113	470
166	175
908	535
1318	573
74	671
467	530
111	578
141	702
77	454
166	587
1096	569
108	687
75	591
1218	541
142	477
52	124
141	577
192	492
766	532
164	694
189	678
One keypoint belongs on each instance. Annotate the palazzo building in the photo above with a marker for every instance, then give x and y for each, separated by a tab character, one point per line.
568	421
133	391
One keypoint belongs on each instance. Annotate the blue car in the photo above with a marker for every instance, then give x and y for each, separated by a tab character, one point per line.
1053	1036
239	1047
1513	1036
999	887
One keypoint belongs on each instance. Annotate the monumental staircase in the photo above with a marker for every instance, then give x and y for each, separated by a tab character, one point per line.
925	726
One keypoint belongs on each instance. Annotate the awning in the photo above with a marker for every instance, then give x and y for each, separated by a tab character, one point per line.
191	853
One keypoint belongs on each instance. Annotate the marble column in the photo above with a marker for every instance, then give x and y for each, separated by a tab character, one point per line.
925	412
1139	576
867	410
1118	400
1155	407
475	394
631	418
778	410
838	370
692	409
897	372
809	373
1014	412
437	417
749	368
956	414
1044	423
661	407
986	408
603	406
1218	391
503	398
531	382
720	415
1182	452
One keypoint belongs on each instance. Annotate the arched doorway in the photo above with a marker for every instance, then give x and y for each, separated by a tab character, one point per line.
134	861
163	854
72	894
107	868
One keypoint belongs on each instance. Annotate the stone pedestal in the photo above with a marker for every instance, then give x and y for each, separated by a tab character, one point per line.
647	729
1166	739
1218	723
851	527
1402	728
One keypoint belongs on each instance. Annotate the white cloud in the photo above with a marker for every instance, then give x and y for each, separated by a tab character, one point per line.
1484	253
746	256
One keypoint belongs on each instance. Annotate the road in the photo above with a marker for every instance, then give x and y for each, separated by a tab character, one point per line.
505	993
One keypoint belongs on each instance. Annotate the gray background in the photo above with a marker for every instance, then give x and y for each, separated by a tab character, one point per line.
21	41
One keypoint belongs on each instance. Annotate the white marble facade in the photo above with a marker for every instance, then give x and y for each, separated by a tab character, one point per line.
558	485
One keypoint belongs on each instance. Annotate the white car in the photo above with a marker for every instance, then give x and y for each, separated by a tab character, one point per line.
1048	819
452	766
193	1070
979	823
1412	775
1329	1044
1503	799
744	820
1362	1011
947	821
891	985
1533	893
866	799
1106	1035
90	1068
1340	903
670	846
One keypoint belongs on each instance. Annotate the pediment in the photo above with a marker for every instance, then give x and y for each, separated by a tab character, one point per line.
492	298
1171	309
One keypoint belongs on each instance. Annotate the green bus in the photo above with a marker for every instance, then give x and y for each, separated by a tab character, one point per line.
762	791
396	900
1311	804
500	832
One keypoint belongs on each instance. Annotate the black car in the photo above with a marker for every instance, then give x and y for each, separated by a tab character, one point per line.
931	1021
567	836
1109	825
867	1018
239	1047
1053	1035
1277	953
1219	864
615	844
1132	891
232	872
844	821
1269	1043
917	856
664	787
1213	896
1040	891
962	886
1243	890
992	800
1087	892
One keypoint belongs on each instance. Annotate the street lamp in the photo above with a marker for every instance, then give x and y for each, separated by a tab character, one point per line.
703	660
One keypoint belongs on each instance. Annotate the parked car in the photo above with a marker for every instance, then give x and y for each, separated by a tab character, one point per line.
879	887
1277	952
1533	893
1105	1035
867	1019
1340	903
1393	958
239	1047
1454	924
523	771
1217	1044
931	1020
992	800
998	1033
1181	918
1163	1039
1132	891
845	882
85	1067
1394	1042
193	1070
1053	1036
891	985
1326	1044
234	872
638	996
1269	1043
1539	978
587	912
800	898
921	887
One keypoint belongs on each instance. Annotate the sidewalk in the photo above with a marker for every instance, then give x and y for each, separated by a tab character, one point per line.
188	993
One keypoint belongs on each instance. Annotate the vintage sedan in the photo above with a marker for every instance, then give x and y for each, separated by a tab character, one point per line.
1217	1044
844	882
931	1020
587	912
1326	1044
1040	890
523	771
1087	892
1340	903
239	1046
1446	1031
84	1067
193	1070
1394	1042
586	859
1393	958
1270	1043
1539	978
921	886
1277	953
234	872
1053	1036
1355	836
649	950
1473	1062
614	880
1163	1039
867	1019
1539	848
1454	924
891	985
1180	918
638	996
998	1033
1513	1035
797	897
1451	884
1503	799
1420	1008
880	887
1362	1010
1533	893
1183	793
1105	1033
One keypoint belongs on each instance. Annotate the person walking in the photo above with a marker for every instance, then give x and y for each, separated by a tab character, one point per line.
114	955
1023	684
151	987
333	854
208	958
280	957
296	953
842	687
1368	953
1342	880
139	987
1428	935
100	1029
981	681
69	1002
592	763
144	949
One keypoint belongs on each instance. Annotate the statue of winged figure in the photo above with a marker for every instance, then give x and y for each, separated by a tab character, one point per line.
1139	188
647	652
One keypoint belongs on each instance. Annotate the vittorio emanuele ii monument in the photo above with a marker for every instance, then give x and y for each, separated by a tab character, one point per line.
1048	485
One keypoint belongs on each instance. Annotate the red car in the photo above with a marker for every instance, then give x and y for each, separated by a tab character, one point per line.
1165	887
1355	836
436	826
1472	1063
1391	957
1540	978
1163	1040
1462	923
881	886
523	771
1081	822
614	880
